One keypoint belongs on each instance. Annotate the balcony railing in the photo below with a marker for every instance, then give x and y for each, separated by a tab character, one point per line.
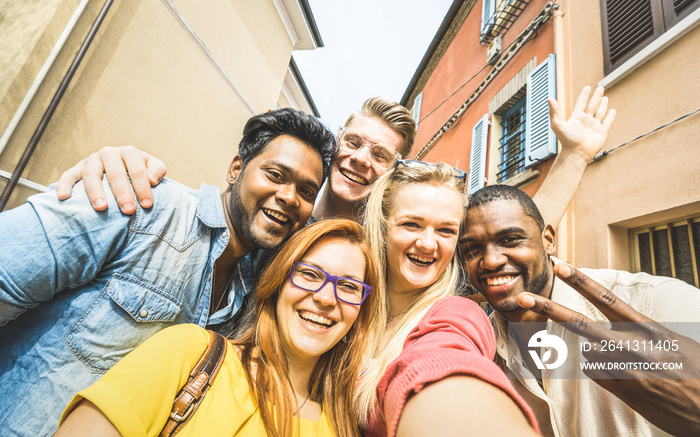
505	15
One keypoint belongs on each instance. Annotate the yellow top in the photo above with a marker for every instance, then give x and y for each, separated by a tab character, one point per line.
137	393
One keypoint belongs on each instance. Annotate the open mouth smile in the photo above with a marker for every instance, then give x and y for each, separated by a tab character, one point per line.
421	261
276	216
500	280
354	178
316	320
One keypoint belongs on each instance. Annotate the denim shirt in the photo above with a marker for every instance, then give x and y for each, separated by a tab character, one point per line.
79	289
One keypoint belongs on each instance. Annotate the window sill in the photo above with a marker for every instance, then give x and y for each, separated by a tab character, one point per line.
658	45
523	178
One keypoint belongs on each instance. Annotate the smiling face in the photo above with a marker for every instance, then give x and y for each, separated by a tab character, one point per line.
310	324
507	254
422	234
273	195
352	173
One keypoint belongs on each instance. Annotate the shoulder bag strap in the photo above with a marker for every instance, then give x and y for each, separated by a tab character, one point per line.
200	379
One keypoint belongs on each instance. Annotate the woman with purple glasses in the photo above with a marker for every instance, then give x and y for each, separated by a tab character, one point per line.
291	373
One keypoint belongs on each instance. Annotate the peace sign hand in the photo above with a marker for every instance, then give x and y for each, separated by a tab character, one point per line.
670	403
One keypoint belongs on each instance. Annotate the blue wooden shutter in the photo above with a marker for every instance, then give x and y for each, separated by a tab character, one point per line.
540	141
477	159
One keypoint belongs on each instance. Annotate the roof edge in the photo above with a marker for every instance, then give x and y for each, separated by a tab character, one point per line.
311	22
302	85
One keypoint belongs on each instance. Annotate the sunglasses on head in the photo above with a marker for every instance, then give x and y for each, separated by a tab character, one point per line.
459	174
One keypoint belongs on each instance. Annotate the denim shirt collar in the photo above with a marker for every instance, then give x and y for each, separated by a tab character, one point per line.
210	210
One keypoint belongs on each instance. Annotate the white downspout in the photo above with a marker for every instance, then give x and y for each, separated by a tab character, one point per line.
41	75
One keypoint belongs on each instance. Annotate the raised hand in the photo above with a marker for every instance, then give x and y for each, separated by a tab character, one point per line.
587	128
581	137
143	169
668	402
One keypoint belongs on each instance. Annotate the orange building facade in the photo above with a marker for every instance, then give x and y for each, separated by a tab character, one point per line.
638	206
468	85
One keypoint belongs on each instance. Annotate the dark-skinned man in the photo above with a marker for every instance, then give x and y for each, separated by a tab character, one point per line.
509	258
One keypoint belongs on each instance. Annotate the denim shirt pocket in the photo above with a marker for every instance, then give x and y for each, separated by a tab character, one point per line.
125	314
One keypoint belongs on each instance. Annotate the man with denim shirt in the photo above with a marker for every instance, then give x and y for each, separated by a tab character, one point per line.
79	288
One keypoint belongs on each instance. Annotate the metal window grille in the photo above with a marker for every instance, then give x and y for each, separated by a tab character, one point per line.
512	148
507	11
669	249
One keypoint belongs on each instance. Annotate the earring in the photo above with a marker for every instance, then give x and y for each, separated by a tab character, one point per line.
230	179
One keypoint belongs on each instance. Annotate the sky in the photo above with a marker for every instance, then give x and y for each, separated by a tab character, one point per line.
371	48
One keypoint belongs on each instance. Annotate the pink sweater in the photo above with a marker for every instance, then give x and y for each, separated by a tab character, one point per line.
454	338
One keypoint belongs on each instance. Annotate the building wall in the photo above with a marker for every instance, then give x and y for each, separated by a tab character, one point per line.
145	81
651	180
461	70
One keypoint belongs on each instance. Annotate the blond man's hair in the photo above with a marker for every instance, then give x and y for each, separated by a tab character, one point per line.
397	117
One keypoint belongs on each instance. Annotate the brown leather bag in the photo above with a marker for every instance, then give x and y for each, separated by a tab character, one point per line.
201	378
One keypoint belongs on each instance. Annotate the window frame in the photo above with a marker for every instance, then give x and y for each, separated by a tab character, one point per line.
635	253
519	105
663	16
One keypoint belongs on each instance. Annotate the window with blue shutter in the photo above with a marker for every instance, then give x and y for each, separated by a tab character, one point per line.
540	141
512	148
477	159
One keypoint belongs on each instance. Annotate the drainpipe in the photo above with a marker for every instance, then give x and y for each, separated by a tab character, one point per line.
565	231
41	75
43	123
560	52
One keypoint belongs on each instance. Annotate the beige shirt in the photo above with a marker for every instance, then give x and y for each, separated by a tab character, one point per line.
580	407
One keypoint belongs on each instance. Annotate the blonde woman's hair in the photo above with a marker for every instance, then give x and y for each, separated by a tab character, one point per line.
262	354
396	116
378	208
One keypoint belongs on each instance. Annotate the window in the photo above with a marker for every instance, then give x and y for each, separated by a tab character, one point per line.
630	25
487	12
522	113
668	249
512	149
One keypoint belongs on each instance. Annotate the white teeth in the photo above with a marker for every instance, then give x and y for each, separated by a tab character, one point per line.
499	280
311	317
421	260
281	217
353	177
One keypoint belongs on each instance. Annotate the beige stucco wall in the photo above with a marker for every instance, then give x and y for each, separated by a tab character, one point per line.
653	179
146	82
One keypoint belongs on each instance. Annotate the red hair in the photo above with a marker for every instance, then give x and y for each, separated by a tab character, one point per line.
333	381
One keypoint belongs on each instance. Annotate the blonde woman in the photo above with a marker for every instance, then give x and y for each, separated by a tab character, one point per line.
431	338
291	373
